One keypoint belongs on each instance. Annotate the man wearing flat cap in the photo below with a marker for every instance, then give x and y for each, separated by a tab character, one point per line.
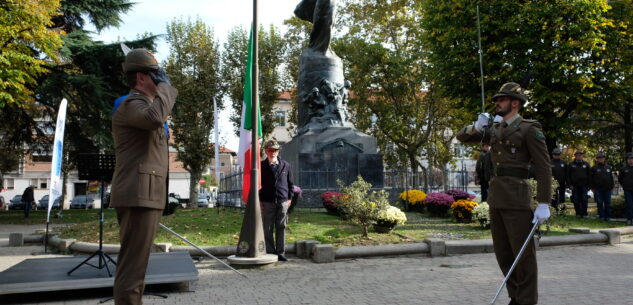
625	177
601	185
559	172
139	190
579	179
275	196
517	147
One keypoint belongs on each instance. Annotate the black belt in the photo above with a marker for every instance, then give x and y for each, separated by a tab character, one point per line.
518	172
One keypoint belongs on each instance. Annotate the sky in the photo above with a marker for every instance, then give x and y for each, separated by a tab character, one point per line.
222	15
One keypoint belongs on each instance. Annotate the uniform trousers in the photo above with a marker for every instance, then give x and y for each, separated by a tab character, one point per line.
628	201
580	199
275	219
510	229
603	202
137	229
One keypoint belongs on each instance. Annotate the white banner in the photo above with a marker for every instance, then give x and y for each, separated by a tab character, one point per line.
56	166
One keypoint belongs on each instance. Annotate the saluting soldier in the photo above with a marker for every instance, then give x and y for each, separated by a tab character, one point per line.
578	179
602	184
625	177
559	172
139	190
516	143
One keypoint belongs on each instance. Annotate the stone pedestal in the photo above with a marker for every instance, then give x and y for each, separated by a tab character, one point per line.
252	261
319	158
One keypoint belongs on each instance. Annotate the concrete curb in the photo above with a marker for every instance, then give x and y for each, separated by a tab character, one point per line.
328	253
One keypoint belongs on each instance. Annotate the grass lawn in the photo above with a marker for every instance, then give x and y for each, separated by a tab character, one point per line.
214	227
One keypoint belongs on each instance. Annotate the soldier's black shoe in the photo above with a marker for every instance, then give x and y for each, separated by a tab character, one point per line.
282	258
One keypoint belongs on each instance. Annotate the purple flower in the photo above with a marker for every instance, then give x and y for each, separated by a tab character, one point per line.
439	199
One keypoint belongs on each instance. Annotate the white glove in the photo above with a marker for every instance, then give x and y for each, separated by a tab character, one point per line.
482	121
498	119
541	214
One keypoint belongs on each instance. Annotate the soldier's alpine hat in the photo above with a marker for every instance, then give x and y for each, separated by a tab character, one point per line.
140	60
271	144
512	90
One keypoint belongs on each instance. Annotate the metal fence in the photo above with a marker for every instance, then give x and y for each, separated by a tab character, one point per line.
314	183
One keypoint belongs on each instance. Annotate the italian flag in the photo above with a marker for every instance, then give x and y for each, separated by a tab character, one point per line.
245	152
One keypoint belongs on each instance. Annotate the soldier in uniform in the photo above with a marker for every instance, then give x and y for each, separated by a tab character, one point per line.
578	179
139	184
516	143
559	172
483	168
602	184
625	177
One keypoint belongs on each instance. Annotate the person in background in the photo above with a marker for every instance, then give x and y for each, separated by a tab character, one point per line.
28	199
483	168
578	180
275	197
602	184
559	172
625	177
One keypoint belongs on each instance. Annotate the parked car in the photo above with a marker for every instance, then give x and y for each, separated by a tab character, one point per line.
16	203
43	203
84	202
203	201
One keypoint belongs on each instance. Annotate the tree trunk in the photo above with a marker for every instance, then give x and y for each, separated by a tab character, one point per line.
193	189
628	146
414	171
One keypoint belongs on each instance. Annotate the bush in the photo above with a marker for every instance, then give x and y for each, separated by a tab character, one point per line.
459	195
328	201
438	203
463	209
360	206
482	214
413	197
391	216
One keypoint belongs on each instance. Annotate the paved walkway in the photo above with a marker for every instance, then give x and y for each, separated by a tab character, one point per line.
578	275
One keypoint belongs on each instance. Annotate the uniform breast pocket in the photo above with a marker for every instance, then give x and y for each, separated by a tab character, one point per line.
150	182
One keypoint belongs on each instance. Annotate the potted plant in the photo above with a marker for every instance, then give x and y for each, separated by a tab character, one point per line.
328	202
387	219
413	200
438	204
463	210
482	214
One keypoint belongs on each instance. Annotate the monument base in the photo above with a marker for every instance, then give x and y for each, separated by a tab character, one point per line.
249	262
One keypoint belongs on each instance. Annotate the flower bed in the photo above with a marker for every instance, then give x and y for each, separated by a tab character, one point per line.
463	209
438	204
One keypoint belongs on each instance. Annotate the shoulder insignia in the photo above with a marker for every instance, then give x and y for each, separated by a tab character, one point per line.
540	135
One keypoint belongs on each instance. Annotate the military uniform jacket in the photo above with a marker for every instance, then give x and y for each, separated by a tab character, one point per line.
625	177
602	177
578	173
514	149
141	148
559	171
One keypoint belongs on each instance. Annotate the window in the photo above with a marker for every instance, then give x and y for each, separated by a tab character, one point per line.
9	184
280	118
41	183
222	164
40	158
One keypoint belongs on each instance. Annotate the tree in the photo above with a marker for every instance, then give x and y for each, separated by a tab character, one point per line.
27	44
385	62
558	43
194	68
271	55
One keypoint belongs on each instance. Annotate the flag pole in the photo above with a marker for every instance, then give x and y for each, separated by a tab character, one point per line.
253	192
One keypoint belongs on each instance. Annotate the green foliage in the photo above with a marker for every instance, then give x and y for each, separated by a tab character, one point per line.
561	43
27	43
194	68
101	13
360	205
271	55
